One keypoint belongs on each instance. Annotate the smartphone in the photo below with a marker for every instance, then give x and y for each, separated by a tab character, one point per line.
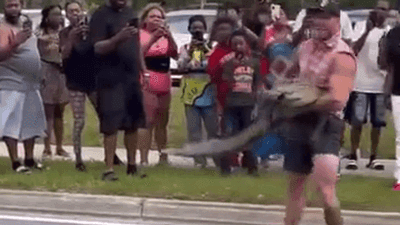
134	22
198	36
84	21
373	16
27	23
239	55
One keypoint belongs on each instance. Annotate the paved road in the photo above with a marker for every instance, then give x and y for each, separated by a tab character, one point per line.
275	218
13	218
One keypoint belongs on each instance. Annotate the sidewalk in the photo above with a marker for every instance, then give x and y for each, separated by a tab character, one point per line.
97	154
190	212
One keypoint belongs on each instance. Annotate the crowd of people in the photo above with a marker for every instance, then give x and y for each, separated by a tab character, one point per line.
120	60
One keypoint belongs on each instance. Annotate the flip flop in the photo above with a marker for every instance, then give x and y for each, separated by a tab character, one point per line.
109	176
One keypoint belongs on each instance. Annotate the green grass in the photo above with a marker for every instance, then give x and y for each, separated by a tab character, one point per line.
92	137
386	148
356	193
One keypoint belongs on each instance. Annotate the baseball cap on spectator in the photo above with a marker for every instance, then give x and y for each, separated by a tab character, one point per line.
320	7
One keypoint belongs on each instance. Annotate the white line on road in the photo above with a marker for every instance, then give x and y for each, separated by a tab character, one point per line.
57	221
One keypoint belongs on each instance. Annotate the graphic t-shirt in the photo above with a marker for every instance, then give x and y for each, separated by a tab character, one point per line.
241	78
196	87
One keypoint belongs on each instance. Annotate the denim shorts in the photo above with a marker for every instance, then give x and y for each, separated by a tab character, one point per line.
301	147
359	103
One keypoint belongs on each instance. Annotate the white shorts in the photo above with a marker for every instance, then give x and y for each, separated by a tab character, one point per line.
22	115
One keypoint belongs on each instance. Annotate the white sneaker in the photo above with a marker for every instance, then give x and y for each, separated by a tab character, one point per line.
23	170
352	165
375	165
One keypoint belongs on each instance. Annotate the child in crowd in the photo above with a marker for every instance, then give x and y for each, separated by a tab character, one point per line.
221	32
241	74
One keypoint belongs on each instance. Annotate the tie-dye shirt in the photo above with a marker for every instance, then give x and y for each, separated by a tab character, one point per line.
316	65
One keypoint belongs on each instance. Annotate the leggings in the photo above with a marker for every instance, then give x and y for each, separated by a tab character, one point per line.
77	100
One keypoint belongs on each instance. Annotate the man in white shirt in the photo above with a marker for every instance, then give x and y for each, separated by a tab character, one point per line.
368	94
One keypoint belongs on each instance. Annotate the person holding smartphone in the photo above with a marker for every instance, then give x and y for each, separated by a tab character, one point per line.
158	47
118	69
368	94
79	67
198	94
21	106
54	90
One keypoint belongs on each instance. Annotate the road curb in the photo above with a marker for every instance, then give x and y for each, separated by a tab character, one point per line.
147	208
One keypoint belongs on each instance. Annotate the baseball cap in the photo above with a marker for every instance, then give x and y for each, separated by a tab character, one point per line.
320	6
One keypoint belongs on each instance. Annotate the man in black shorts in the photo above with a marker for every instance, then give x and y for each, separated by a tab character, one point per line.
313	138
120	105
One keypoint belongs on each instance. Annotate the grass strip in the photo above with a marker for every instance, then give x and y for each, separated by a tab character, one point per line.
355	192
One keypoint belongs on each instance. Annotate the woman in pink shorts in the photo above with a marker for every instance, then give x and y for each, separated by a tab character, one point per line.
158	46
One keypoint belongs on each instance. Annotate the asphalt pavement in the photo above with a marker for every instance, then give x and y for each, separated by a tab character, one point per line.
44	208
19	218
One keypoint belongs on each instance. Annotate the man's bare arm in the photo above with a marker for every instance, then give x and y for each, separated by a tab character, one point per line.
5	51
359	44
106	46
10	42
388	85
341	83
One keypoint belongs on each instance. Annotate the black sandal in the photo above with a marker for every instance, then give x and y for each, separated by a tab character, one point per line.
80	167
132	171
30	163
